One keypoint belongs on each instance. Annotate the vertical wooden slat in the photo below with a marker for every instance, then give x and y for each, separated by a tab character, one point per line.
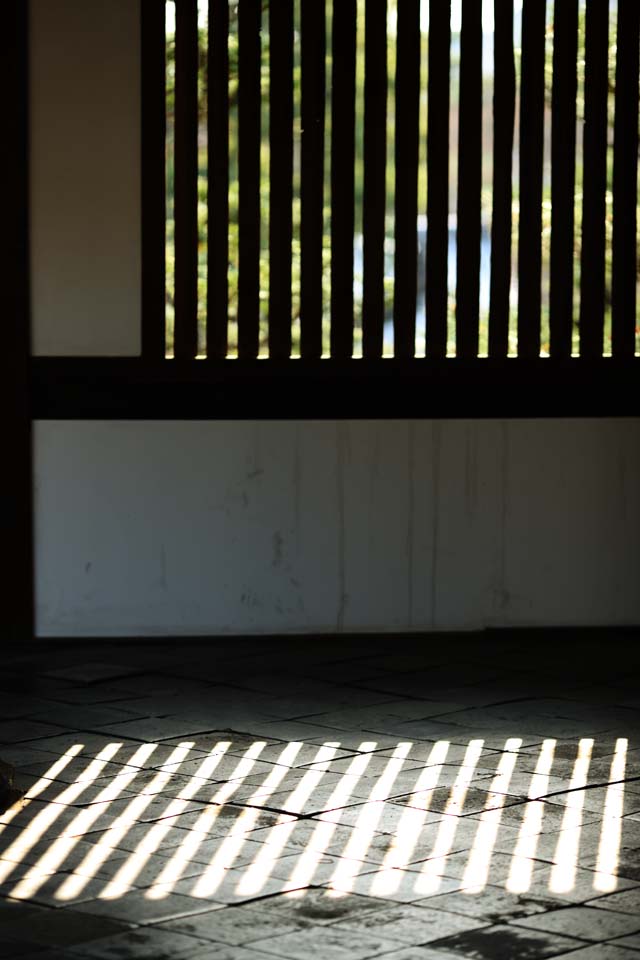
153	134
504	101
375	145
186	180
249	22
406	194
531	168
436	287
625	184
563	164
218	179
342	175
592	265
281	179
312	110
16	486
469	181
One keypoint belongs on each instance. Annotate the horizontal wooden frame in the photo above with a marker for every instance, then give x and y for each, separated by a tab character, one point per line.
135	389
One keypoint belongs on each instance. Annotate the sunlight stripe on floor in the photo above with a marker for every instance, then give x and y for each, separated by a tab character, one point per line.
258	873
53	858
606	880
35	830
160	827
118	830
522	862
476	873
428	881
41	785
409	829
303	872
213	875
365	827
563	873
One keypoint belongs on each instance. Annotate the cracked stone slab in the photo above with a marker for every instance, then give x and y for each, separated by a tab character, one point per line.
584	923
238	925
410	924
500	941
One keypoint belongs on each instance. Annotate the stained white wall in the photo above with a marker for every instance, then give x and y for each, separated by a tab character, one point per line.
199	528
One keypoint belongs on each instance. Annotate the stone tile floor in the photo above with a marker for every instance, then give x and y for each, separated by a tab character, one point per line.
435	797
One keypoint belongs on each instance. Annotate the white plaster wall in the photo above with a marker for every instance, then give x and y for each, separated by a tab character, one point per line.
200	528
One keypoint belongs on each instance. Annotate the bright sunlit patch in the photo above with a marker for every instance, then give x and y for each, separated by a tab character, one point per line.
41	850
477	870
74	885
609	849
365	827
42	784
136	862
428	880
256	875
386	882
519	879
563	873
57	853
308	861
230	847
47	817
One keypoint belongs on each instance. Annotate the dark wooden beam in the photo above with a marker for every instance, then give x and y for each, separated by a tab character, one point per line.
16	524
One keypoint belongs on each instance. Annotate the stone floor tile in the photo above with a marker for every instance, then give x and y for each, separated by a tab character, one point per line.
243	852
155	728
224	951
325	797
81	717
583	923
316	868
400	886
145	943
77	771
358	741
600	951
93	791
55	928
631	942
138	836
326	942
92	744
216	820
503	941
389	817
552	816
410	924
583	885
594	798
299	835
376	765
137	907
93	672
623	901
13	948
493	904
47	893
317	905
474	800
418	953
423	753
239	925
28	731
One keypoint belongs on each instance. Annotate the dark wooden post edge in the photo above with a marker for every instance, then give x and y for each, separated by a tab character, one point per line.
16	486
